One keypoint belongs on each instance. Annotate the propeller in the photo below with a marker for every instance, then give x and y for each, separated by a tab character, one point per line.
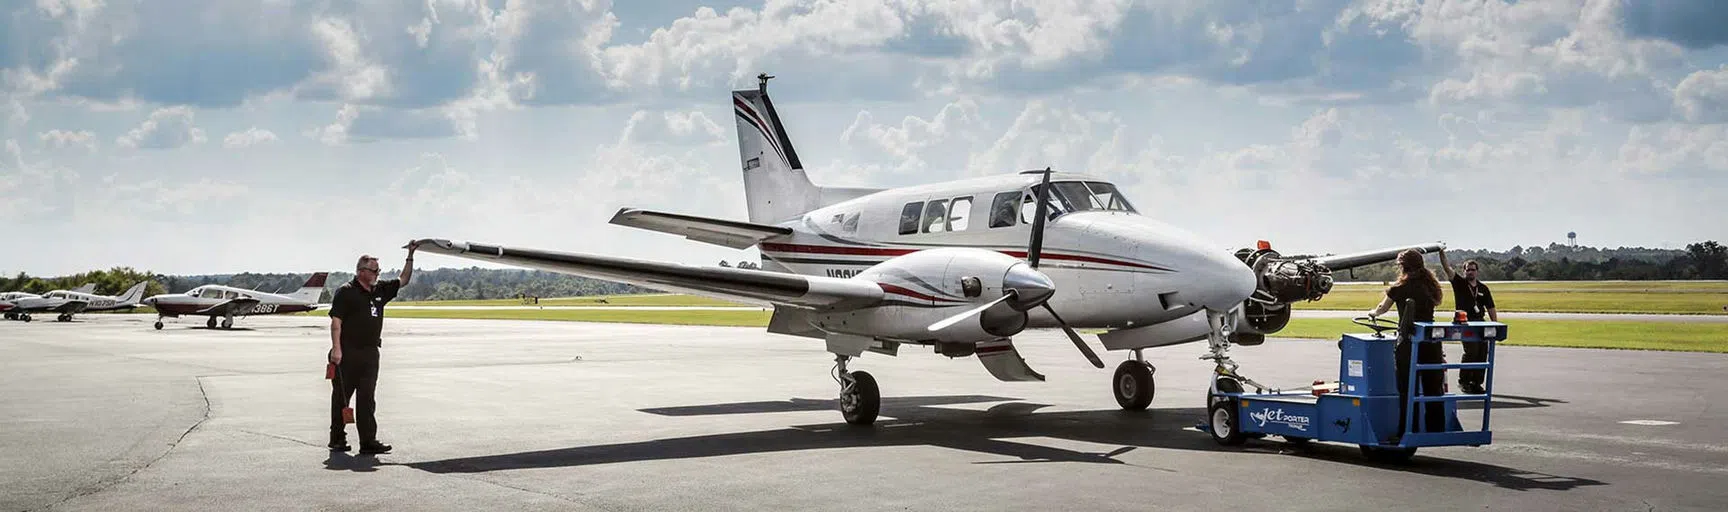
944	323
1025	288
1036	249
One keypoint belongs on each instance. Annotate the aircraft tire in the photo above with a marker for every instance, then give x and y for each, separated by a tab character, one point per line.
211	324
865	402
158	325
1133	385
227	323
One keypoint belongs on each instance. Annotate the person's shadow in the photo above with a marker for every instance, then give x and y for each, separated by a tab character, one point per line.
342	461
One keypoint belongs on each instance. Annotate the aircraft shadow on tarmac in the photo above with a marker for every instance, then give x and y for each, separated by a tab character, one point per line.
914	421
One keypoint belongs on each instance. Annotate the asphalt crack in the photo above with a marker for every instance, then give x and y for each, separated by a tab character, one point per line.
100	486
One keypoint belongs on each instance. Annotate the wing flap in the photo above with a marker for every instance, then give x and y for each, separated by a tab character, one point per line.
725	233
754	286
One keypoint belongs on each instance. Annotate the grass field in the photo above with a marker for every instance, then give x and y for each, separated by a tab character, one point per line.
1700	337
1673	297
1550	333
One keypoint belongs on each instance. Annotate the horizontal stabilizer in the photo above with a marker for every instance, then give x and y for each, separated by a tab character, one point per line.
725	233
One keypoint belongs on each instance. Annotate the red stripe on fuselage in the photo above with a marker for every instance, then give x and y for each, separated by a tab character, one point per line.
898	290
874	251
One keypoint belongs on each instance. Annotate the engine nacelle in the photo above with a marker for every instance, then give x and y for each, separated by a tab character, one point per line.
924	287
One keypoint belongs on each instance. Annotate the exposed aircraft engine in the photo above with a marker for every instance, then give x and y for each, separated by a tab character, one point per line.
1279	282
1283	280
1288	281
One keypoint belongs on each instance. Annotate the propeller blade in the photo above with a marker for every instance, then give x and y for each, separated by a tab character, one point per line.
944	323
1037	246
1075	337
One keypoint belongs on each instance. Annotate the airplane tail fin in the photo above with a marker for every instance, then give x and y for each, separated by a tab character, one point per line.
312	290
775	185
133	295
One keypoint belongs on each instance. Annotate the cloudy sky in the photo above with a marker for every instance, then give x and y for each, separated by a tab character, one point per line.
188	136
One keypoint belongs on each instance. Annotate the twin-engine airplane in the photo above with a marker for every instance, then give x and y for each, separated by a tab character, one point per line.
960	266
227	302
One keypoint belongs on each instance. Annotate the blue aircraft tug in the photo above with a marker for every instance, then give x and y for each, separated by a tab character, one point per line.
1363	406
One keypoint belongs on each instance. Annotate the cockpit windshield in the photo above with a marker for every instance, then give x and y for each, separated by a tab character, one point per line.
1074	196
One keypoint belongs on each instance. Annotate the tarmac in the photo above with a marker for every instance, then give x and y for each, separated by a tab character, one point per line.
105	413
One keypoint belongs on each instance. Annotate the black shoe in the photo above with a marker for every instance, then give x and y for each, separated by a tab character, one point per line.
1472	388
339	446
373	447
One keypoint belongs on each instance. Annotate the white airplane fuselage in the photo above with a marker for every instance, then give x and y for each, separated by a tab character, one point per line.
1113	267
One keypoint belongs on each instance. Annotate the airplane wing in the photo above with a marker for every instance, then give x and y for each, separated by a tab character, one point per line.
229	306
726	233
1353	260
736	284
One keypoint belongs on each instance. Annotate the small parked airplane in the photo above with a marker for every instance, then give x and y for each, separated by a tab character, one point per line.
21	304
79	301
214	300
961	266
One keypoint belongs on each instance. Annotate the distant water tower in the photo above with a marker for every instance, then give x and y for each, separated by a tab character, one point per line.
1572	237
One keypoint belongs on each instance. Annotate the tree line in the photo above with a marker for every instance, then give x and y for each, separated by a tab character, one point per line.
1701	260
1556	262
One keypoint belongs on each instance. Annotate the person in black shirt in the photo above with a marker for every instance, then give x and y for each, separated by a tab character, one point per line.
1471	296
1416	293
356	324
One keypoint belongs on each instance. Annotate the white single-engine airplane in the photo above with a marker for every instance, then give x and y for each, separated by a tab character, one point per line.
227	302
79	301
961	266
22	304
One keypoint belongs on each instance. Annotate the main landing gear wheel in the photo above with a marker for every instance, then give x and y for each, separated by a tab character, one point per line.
228	323
1133	385
211	324
860	399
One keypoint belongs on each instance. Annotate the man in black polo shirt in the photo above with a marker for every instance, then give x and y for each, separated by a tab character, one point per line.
1471	296
356	321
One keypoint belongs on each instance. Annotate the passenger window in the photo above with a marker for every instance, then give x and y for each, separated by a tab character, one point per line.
1002	209
935	216
960	213
909	218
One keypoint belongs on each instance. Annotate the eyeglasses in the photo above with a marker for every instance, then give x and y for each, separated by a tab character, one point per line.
372	270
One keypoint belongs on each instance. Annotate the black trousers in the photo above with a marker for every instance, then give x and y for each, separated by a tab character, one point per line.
1432	415
1474	353
355	377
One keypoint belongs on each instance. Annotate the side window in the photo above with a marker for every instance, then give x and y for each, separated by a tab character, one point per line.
936	216
909	218
1002	209
1029	207
960	213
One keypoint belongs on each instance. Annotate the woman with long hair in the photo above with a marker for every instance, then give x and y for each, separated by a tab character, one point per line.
1416	293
